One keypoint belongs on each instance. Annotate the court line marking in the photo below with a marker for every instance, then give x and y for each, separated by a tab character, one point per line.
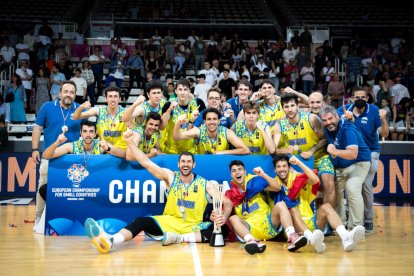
196	259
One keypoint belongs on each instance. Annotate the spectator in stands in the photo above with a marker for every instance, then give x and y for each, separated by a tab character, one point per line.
30	40
22	50
307	75
44	43
396	42
97	61
290	71
169	43
327	73
56	80
53	118
123	51
351	159
227	85
255	134
383	94
18	104
116	71
78	37
81	86
211	76
371	122
66	67
87	74
212	138
45	29
199	52
201	88
319	62
353	63
59	46
336	90
398	90
135	67
4	110
289	53
366	64
261	65
401	121
8	55
26	75
301	58
328	51
42	89
305	39
151	64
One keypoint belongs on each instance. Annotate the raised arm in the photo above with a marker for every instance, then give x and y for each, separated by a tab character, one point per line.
185	135
313	178
78	114
160	173
54	150
227	204
167	114
273	185
301	96
240	148
277	134
135	110
111	149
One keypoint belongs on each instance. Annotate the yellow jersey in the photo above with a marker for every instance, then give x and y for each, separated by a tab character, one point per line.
185	207
77	147
254	140
300	135
269	114
111	128
168	144
145	145
207	145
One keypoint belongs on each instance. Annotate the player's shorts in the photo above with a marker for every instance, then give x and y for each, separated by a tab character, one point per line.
324	165
310	223
261	227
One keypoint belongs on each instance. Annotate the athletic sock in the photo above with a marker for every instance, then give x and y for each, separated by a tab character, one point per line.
248	237
118	239
189	237
342	232
289	231
307	234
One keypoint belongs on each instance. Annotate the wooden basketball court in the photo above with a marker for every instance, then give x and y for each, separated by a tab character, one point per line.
389	251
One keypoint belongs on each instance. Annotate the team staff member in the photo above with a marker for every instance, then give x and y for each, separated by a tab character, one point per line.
53	118
351	159
370	121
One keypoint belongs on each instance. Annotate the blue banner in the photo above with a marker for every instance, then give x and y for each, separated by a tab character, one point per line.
115	191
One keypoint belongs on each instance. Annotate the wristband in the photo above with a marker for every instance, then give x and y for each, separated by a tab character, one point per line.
109	149
35	150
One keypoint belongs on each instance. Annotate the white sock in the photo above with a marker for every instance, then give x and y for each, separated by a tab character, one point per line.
118	239
289	231
342	232
248	237
189	237
307	234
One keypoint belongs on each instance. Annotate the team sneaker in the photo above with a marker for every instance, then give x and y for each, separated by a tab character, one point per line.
36	225
171	237
253	246
356	235
100	239
295	242
316	241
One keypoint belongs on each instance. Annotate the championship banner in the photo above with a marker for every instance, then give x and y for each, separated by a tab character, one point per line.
115	191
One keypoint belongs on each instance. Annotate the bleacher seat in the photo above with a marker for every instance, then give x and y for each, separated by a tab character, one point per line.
135	92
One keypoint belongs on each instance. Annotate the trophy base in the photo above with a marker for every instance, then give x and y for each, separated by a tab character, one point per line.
217	239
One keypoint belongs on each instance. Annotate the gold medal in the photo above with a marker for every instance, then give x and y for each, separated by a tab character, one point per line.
296	147
182	209
245	214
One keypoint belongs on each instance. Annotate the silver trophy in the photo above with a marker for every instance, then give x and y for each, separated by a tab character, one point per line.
217	239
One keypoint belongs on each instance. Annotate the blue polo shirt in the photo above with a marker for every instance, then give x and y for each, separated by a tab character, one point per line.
368	123
224	121
347	134
51	119
234	102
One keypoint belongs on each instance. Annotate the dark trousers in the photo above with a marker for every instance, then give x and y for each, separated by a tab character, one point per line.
135	75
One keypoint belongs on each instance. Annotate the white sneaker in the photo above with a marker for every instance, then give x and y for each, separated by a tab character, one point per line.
100	239
355	235
171	237
36	225
316	241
